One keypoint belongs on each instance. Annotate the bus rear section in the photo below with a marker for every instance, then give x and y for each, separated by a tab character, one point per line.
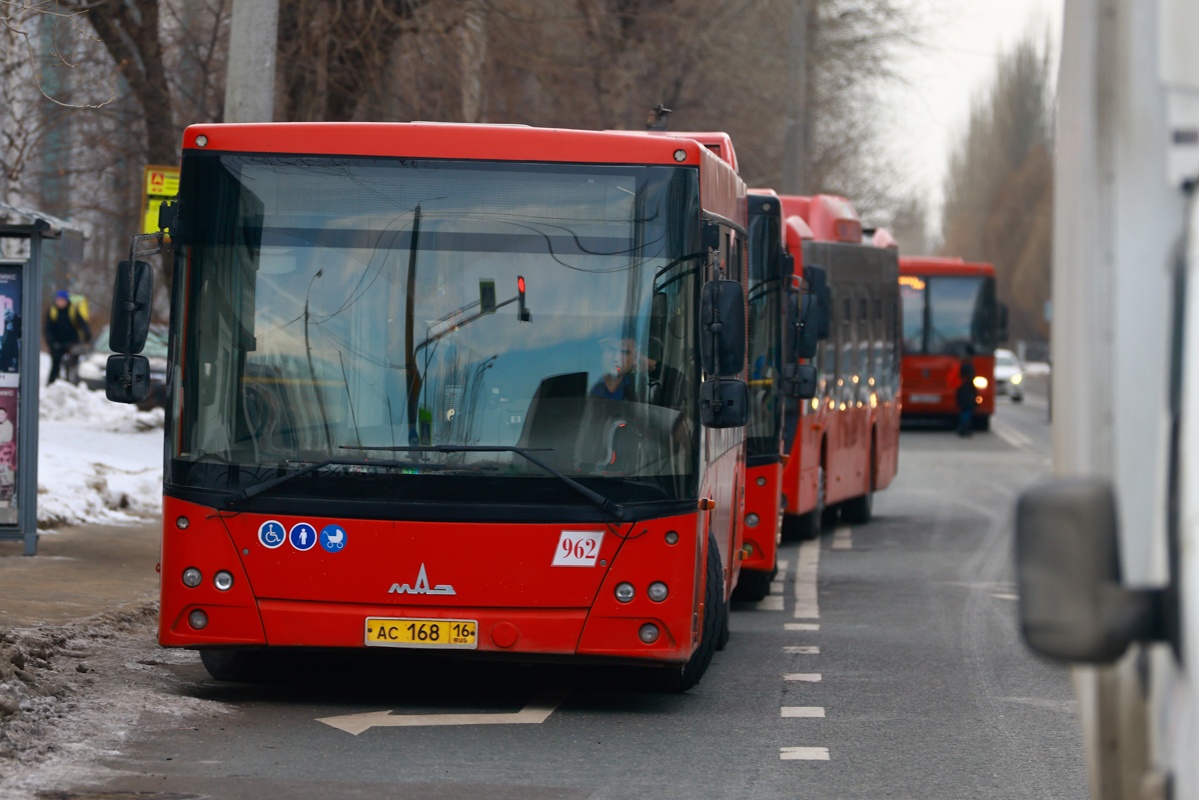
436	387
950	313
847	440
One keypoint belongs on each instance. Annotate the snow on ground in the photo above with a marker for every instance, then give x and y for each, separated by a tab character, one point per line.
98	461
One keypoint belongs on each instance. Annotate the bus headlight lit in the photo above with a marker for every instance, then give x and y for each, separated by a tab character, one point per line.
980	382
223	581
649	633
192	577
752	520
658	591
625	592
198	620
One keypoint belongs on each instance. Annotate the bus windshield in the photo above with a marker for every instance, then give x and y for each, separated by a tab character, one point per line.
948	314
333	307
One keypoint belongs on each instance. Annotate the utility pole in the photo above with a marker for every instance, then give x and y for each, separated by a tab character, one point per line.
795	134
250	80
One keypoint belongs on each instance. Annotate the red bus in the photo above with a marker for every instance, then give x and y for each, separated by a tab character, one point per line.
847	440
459	387
949	309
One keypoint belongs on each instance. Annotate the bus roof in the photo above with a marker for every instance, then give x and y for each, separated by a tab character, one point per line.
831	218
718	142
447	140
938	265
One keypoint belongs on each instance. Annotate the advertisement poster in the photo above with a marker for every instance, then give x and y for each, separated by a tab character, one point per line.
10	332
8	456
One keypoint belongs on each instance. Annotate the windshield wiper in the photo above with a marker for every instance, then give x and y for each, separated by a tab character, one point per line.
242	495
601	502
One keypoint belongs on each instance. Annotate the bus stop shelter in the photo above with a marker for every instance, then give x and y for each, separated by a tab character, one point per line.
22	234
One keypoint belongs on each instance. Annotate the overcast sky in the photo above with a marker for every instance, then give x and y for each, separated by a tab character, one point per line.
966	39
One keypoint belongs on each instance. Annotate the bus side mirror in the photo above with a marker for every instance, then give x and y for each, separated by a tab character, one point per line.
722	327
131	298
127	378
1073	606
724	403
807	341
799	380
818	316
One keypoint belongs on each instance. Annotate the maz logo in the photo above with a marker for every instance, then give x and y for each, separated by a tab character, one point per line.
422	586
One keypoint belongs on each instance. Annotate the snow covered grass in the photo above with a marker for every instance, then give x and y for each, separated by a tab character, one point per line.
98	461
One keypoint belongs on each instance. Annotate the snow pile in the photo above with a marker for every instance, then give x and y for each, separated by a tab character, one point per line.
98	461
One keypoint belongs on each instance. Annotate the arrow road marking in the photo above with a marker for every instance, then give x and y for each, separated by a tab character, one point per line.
536	712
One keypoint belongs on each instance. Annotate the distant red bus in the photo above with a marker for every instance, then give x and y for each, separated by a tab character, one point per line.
436	387
949	310
846	443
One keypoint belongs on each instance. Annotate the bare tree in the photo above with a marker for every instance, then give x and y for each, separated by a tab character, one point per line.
998	192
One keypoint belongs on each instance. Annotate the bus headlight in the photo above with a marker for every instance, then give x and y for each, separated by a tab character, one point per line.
192	577
625	592
198	620
980	382
649	633
752	520
658	591
223	581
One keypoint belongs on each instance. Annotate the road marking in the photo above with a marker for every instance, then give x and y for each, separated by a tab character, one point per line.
801	626
805	712
1012	436
803	650
536	712
842	538
807	606
1004	596
783	565
771	602
805	677
803	754
776	587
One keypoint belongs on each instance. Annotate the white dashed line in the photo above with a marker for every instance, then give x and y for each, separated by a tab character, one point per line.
784	565
801	626
804	677
842	539
771	602
803	650
776	587
1005	596
807	605
805	712
803	754
1012	436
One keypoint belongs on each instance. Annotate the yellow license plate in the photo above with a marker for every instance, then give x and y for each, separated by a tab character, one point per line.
430	633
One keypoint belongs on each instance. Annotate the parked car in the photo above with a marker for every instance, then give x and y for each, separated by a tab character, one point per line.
1009	375
93	365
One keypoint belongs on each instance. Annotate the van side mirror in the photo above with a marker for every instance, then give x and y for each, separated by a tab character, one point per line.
131	298
722	327
1073	606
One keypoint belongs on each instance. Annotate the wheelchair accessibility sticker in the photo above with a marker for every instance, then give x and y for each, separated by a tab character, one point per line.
333	538
272	534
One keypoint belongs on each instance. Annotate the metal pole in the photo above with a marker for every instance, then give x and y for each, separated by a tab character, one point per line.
28	399
250	79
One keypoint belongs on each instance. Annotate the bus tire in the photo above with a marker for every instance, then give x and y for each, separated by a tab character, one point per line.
232	666
982	422
676	680
752	586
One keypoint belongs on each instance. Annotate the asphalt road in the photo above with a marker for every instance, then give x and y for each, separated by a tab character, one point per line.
897	674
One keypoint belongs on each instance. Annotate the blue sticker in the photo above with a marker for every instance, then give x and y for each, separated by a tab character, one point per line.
272	534
333	538
302	536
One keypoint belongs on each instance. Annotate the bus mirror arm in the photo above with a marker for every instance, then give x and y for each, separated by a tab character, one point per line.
1073	604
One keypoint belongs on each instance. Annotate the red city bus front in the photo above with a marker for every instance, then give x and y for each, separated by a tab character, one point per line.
437	387
950	311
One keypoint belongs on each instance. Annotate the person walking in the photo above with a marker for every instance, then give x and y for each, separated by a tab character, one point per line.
966	395
65	328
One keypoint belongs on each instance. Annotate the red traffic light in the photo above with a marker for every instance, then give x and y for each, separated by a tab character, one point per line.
520	283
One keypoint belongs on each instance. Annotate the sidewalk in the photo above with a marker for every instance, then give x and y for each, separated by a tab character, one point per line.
78	572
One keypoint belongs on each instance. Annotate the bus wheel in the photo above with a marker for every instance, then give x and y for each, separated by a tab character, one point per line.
229	665
752	586
680	679
982	422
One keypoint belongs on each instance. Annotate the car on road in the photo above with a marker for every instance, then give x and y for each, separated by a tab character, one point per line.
92	366
1009	375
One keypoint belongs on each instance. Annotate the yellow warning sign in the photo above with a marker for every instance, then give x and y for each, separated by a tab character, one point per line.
161	183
